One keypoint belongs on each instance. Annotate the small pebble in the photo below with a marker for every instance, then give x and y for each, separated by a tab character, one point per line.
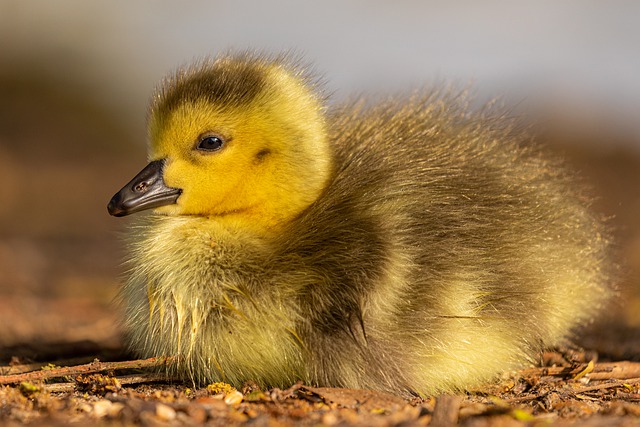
101	408
164	412
233	398
197	413
330	419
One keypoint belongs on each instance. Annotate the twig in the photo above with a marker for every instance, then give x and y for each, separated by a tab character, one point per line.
144	378
617	370
574	391
95	366
604	386
28	367
60	387
123	380
601	371
528	398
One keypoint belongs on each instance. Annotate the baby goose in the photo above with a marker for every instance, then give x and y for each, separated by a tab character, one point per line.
411	246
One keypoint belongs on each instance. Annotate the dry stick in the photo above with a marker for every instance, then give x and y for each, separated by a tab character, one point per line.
617	383
601	371
617	370
597	387
123	380
523	399
28	367
95	366
60	387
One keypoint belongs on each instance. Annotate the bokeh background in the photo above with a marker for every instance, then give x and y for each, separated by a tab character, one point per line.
75	77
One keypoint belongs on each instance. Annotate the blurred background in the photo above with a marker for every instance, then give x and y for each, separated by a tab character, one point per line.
75	78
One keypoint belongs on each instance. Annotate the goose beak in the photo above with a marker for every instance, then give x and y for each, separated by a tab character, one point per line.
146	191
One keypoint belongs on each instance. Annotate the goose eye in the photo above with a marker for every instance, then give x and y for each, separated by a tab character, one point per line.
210	143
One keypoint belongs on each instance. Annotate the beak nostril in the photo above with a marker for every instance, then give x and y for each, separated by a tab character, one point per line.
141	187
145	191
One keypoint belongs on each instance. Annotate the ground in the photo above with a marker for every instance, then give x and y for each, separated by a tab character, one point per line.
61	160
569	389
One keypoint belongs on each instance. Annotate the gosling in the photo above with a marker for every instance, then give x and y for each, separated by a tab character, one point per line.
410	245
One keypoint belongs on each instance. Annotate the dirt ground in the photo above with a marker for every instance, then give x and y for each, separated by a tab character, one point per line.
61	159
569	391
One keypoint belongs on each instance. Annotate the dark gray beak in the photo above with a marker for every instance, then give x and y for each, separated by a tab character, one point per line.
146	191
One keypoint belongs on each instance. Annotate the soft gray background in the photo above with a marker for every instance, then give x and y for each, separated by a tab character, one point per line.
581	57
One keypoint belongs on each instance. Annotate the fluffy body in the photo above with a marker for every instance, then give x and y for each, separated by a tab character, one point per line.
411	246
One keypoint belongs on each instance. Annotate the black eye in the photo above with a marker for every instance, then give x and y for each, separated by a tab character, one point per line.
210	143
